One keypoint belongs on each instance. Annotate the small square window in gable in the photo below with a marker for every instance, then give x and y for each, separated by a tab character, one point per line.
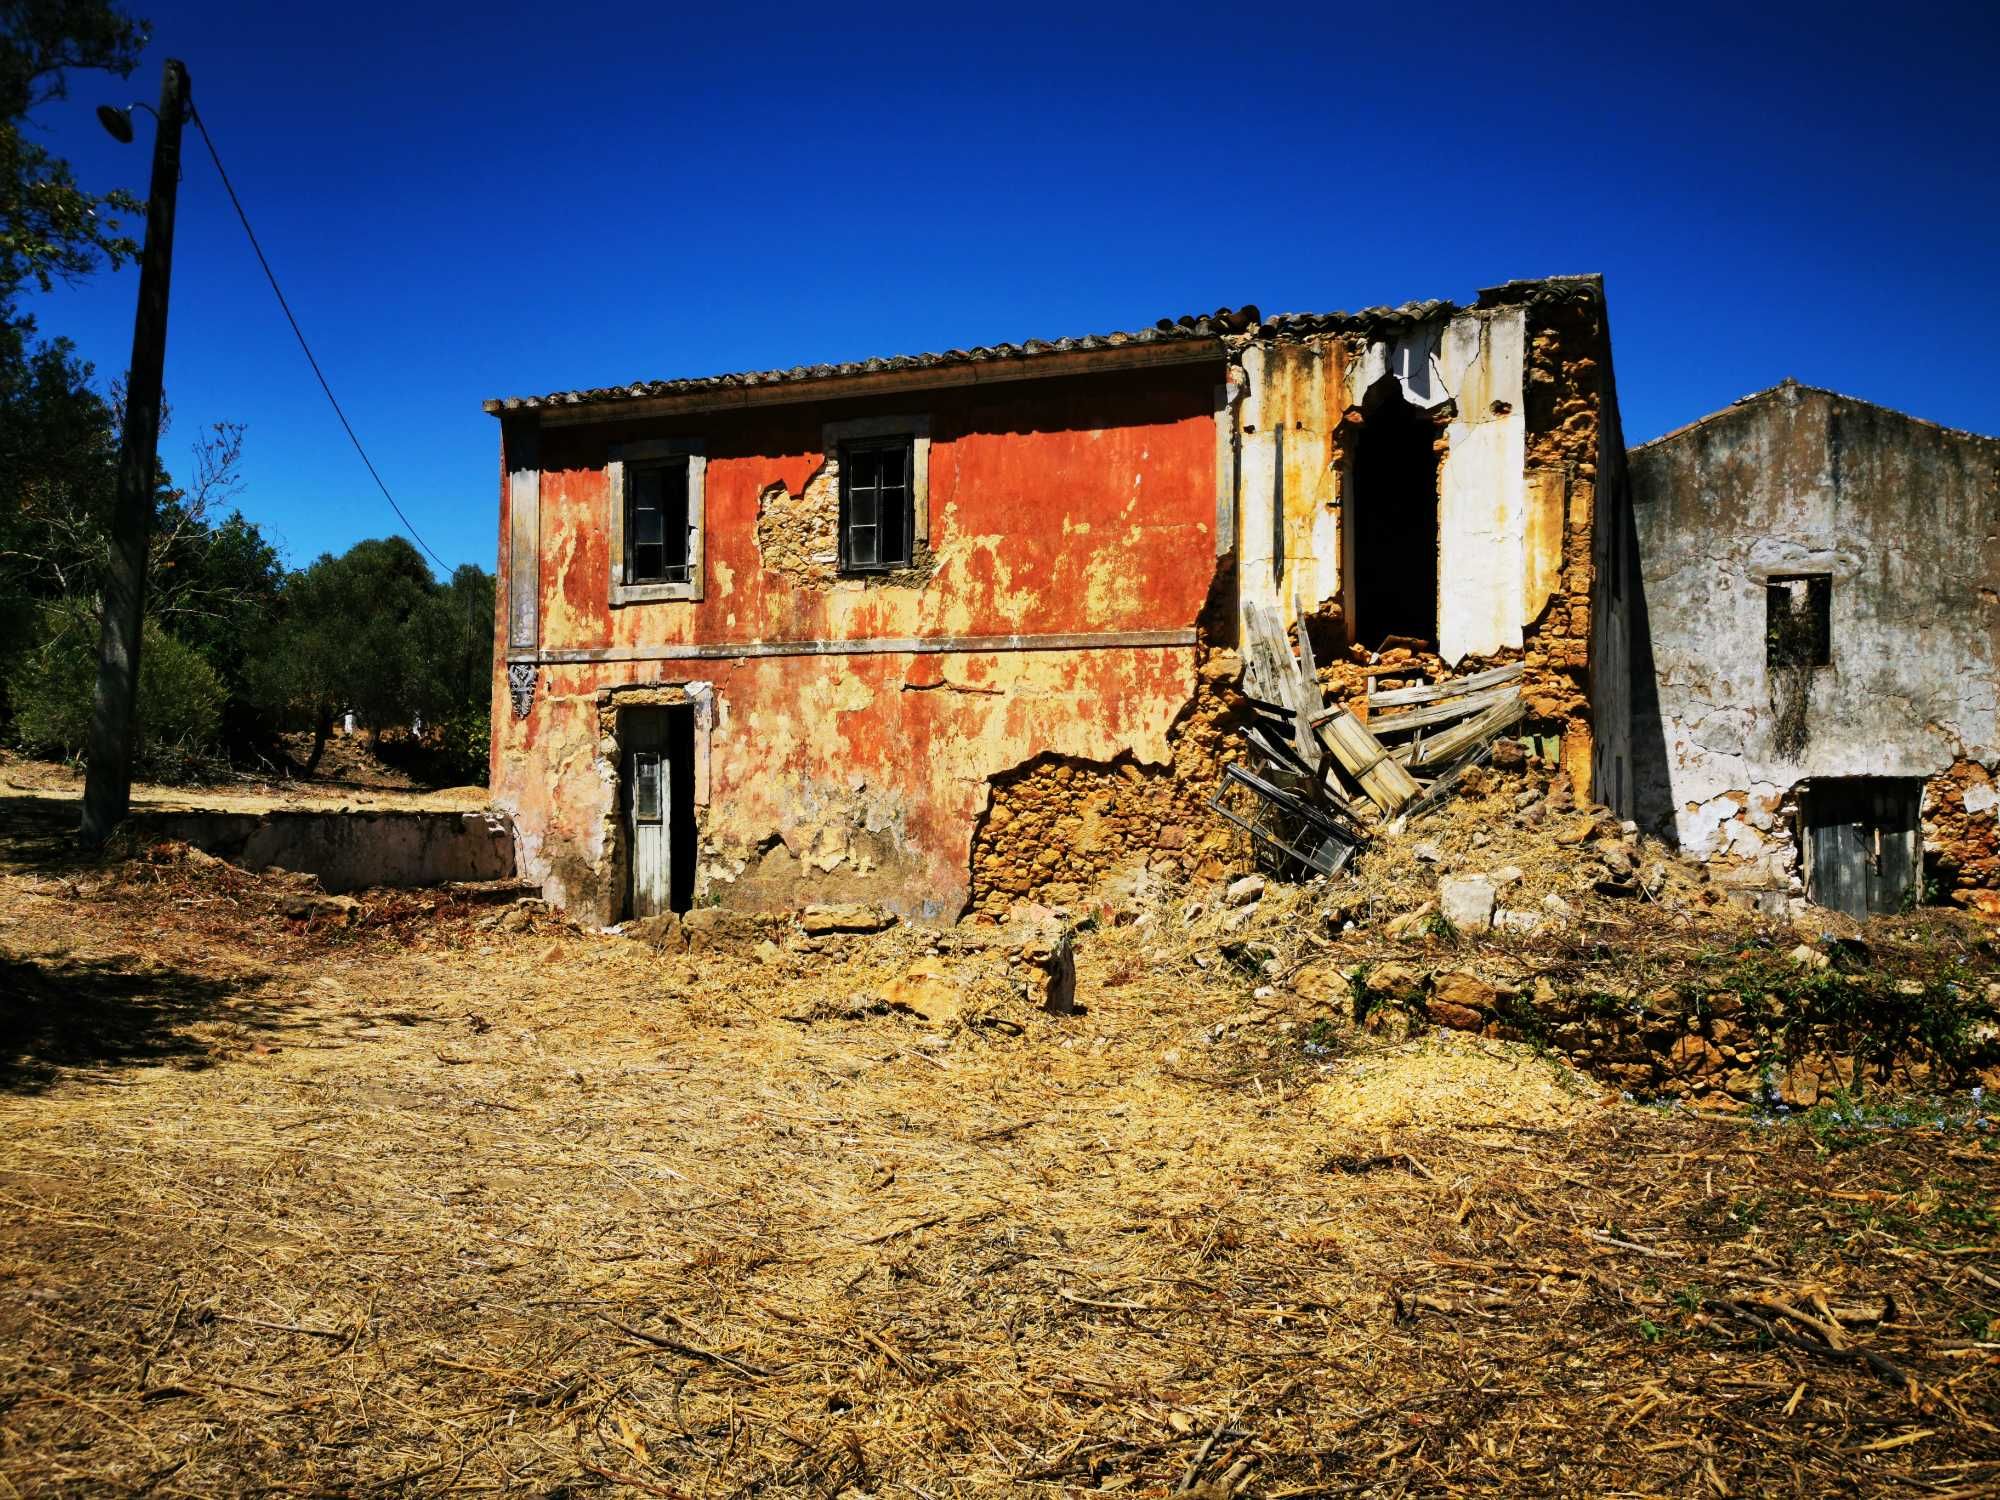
1798	621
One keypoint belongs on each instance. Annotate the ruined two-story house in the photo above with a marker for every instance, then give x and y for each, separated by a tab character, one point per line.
940	632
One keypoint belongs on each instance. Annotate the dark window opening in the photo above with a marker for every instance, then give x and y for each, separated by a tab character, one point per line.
875	505
1798	620
1395	519
657	539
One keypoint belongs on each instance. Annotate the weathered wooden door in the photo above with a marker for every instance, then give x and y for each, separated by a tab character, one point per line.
1862	843
647	795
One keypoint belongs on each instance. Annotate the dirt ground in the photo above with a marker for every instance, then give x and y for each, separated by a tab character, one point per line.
349	777
432	1204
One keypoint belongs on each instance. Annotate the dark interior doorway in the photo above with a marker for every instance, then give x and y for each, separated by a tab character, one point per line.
1395	519
1863	845
656	804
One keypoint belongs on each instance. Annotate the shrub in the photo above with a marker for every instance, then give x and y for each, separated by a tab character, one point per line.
467	737
52	687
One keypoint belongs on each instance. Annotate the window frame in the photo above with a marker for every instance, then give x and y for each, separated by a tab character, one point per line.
839	439
1818	605
622	462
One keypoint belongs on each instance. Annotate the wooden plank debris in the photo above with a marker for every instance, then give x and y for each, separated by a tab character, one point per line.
1431	692
1364	758
1451	709
1442	749
1289	806
1274	675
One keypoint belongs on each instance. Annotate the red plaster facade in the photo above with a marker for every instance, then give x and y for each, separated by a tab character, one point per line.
842	759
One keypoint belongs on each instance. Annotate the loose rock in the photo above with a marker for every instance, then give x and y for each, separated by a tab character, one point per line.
1467	903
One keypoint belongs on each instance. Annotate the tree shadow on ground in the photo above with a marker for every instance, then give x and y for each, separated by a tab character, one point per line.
64	1017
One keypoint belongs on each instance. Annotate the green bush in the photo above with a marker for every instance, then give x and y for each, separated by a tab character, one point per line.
52	687
467	737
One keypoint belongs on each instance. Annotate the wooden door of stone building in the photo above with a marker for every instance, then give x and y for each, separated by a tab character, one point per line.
648	800
1863	847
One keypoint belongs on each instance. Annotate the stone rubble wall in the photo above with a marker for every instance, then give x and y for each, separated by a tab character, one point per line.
1059	826
1712	1052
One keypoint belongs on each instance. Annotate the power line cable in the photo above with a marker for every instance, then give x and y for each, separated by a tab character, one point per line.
299	334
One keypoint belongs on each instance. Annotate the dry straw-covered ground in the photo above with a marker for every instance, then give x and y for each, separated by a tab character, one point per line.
421	1206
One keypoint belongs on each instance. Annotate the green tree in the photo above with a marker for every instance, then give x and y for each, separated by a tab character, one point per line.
372	631
52	229
180	696
58	470
58	443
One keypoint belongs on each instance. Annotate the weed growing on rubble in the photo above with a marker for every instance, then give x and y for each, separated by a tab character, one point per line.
1848	1119
1867	1013
1357	991
1439	926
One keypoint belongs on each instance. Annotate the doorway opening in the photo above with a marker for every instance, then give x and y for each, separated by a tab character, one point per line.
656	808
1863	845
1395	519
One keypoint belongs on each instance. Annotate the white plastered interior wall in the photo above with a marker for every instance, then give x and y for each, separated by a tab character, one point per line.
1477	361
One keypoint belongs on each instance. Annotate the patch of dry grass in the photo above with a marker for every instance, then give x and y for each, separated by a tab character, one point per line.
308	1209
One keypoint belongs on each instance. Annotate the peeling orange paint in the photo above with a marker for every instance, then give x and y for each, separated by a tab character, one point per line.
844	775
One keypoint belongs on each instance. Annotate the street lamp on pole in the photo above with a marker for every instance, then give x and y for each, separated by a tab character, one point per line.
107	789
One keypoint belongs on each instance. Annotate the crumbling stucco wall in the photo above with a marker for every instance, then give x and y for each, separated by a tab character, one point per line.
348	851
1059	825
1579	527
859	726
1905	518
1531	490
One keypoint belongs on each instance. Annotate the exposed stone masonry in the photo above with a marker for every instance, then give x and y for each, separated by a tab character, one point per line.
1562	396
1057	826
798	536
1962	835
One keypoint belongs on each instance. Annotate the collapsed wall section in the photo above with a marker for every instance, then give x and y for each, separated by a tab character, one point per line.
1057	825
1522	473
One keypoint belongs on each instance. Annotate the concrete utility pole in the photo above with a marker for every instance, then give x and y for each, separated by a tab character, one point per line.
107	789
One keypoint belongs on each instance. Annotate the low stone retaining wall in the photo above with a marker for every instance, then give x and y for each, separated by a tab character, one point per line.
1798	1045
348	850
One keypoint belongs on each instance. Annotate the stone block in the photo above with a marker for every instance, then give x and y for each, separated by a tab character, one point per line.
1243	892
848	916
663	932
1454	1017
714	929
1467	903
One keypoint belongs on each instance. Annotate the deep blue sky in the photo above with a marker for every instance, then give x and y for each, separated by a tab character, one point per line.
518	198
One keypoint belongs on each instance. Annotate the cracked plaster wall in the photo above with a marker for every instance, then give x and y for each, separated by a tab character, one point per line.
1297	396
1905	516
1531	471
1074	505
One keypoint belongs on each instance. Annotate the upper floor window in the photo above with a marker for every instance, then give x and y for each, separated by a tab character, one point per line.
657	495
658	545
875	520
1798	620
884	465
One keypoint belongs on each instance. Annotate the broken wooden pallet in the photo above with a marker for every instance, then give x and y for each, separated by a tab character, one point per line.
1449	711
1431	692
1273	675
1481	729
